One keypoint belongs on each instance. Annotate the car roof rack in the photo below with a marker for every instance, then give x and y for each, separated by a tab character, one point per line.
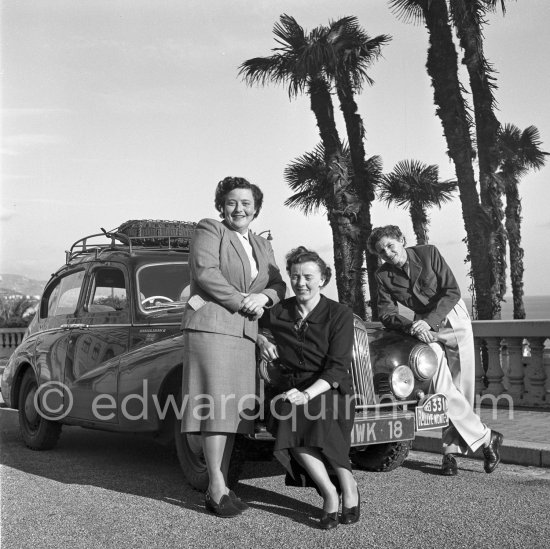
136	234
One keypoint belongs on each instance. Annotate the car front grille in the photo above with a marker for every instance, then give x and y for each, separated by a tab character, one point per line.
361	367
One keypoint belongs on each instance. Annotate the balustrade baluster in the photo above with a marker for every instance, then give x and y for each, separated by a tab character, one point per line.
512	366
494	370
479	371
535	379
546	364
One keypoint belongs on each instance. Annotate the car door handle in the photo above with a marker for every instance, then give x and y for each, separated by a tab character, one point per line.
73	326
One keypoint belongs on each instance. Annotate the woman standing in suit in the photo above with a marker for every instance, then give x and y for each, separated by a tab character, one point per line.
314	416
419	278
233	278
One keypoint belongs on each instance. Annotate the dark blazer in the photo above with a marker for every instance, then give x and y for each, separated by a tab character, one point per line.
325	346
431	290
220	273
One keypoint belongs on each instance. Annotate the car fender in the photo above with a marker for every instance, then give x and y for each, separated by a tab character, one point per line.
22	358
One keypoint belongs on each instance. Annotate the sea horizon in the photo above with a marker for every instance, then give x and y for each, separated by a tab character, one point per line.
537	307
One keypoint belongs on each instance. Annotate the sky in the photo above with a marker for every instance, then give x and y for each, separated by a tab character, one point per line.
133	109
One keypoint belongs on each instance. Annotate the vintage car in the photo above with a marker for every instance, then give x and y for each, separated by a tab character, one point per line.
105	351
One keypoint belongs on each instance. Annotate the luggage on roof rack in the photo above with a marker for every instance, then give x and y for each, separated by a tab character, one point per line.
136	234
158	232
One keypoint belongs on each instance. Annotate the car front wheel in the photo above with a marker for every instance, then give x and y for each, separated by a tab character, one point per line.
37	432
381	457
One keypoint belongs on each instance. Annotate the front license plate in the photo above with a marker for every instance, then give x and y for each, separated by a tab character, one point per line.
368	430
432	413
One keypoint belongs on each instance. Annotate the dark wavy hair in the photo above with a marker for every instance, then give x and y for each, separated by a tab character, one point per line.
378	233
302	255
226	185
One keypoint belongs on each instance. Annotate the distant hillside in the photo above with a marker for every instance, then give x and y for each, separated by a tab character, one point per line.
17	284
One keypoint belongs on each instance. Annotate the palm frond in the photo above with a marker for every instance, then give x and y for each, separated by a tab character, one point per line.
308	176
409	11
414	183
353	51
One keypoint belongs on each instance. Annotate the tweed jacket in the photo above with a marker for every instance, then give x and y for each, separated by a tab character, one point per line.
220	274
430	289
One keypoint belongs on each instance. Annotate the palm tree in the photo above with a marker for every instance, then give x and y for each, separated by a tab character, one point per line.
416	186
309	177
299	61
519	152
351	53
452	109
469	17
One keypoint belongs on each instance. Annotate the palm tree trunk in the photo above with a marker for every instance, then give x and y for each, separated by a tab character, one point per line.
443	70
348	255
419	218
361	184
513	226
467	17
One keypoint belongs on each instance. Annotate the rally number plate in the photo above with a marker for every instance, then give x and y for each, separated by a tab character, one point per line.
432	413
379	429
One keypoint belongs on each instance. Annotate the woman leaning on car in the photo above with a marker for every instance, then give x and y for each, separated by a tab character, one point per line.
233	278
419	278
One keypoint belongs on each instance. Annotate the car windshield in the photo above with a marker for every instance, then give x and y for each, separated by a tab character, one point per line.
163	286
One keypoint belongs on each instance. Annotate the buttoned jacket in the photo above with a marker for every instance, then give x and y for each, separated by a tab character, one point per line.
430	289
323	345
220	275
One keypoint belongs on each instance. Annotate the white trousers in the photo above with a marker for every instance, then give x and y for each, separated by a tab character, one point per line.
455	378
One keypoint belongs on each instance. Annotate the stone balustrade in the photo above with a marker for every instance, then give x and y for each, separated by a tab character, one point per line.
513	361
10	338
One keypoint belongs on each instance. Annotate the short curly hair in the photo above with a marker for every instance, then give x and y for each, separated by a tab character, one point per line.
302	255
226	185
378	233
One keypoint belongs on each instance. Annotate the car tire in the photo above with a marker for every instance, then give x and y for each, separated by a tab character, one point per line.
381	457
37	432
193	464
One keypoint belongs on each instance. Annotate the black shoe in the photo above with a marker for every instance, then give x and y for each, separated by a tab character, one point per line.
351	515
449	467
492	452
224	508
328	520
237	501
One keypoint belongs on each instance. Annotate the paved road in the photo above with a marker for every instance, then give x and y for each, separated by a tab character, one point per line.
99	490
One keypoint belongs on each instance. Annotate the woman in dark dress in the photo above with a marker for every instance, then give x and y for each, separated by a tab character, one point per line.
313	418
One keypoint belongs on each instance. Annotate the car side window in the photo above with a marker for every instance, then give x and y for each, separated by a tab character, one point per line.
62	298
163	285
108	291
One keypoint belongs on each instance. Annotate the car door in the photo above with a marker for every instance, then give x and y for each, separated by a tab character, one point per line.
96	344
56	314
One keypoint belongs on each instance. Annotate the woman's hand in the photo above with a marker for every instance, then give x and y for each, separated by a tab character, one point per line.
268	350
295	397
422	331
253	304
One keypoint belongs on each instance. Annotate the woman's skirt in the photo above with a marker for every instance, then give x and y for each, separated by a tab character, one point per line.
219	383
324	423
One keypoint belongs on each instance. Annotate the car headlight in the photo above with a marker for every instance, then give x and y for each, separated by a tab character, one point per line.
423	362
402	381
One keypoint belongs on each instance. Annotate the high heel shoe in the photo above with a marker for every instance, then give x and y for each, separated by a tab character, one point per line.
328	520
351	515
237	501
224	508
